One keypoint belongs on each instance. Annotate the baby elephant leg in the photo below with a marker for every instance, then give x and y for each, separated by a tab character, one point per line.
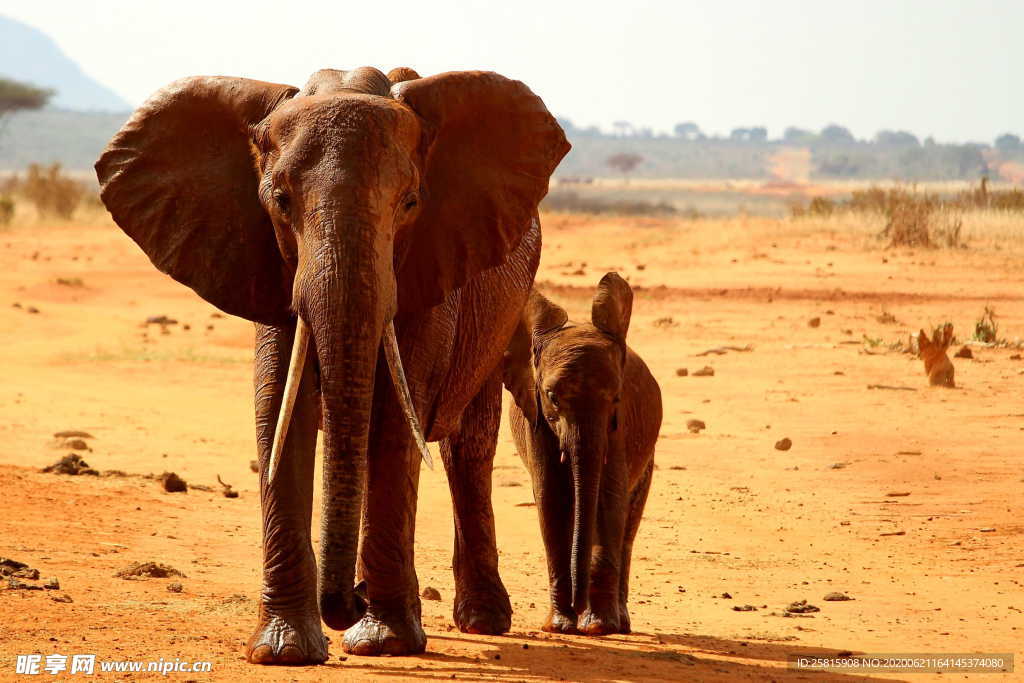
602	616
636	511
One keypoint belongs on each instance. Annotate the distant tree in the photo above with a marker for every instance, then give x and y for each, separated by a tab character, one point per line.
1008	142
645	132
896	138
624	162
798	136
757	134
739	134
840	166
968	160
17	96
623	128
688	130
835	133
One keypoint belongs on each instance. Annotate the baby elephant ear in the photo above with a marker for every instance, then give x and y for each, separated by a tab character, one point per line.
613	306
542	315
517	372
180	179
539	317
493	148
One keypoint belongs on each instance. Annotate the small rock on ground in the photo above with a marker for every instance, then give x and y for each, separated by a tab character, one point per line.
706	371
682	372
72	464
175	587
73	434
9	566
801	607
695	426
964	352
430	593
148	570
783	444
172	483
814	322
836	596
744	608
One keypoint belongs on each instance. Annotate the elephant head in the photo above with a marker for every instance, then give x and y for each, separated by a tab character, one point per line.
359	197
566	378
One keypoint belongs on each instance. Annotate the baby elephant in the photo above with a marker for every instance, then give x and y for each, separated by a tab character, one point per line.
585	420
936	362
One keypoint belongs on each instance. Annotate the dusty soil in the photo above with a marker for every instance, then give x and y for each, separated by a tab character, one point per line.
935	570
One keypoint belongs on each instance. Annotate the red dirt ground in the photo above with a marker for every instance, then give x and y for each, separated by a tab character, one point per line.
727	512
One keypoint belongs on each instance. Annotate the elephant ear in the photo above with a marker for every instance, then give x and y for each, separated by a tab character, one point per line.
540	317
613	307
494	146
181	179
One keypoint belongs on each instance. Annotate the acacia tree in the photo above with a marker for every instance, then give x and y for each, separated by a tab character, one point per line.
624	162
688	130
17	96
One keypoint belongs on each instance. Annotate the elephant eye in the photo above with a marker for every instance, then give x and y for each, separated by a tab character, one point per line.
411	201
553	398
282	200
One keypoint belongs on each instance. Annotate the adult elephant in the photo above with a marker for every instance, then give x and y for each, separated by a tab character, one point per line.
380	218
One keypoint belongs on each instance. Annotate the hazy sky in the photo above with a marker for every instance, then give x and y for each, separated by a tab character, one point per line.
935	67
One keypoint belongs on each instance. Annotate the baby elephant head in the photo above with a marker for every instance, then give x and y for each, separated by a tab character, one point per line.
936	363
566	378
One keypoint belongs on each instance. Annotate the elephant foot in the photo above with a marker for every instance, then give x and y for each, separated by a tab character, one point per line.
599	623
291	640
489	615
386	632
624	625
560	622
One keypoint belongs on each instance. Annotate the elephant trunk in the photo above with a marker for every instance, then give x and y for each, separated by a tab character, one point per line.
586	457
349	301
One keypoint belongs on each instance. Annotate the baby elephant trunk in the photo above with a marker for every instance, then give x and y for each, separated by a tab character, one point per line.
586	458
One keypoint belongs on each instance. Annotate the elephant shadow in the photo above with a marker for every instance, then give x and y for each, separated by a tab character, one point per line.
639	656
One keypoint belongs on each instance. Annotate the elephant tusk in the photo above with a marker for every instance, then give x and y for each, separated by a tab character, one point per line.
291	390
404	396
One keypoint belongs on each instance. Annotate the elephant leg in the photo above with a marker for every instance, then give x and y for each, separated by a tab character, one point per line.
552	489
636	512
392	623
602	614
481	601
289	629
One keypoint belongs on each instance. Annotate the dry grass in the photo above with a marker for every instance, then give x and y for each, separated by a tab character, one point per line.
47	195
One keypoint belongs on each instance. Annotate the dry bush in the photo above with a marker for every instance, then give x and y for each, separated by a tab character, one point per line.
53	193
918	219
907	223
573	202
986	329
6	210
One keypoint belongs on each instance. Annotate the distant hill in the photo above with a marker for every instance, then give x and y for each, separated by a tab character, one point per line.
73	139
27	54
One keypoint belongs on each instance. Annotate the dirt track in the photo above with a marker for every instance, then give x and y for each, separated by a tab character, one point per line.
727	514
